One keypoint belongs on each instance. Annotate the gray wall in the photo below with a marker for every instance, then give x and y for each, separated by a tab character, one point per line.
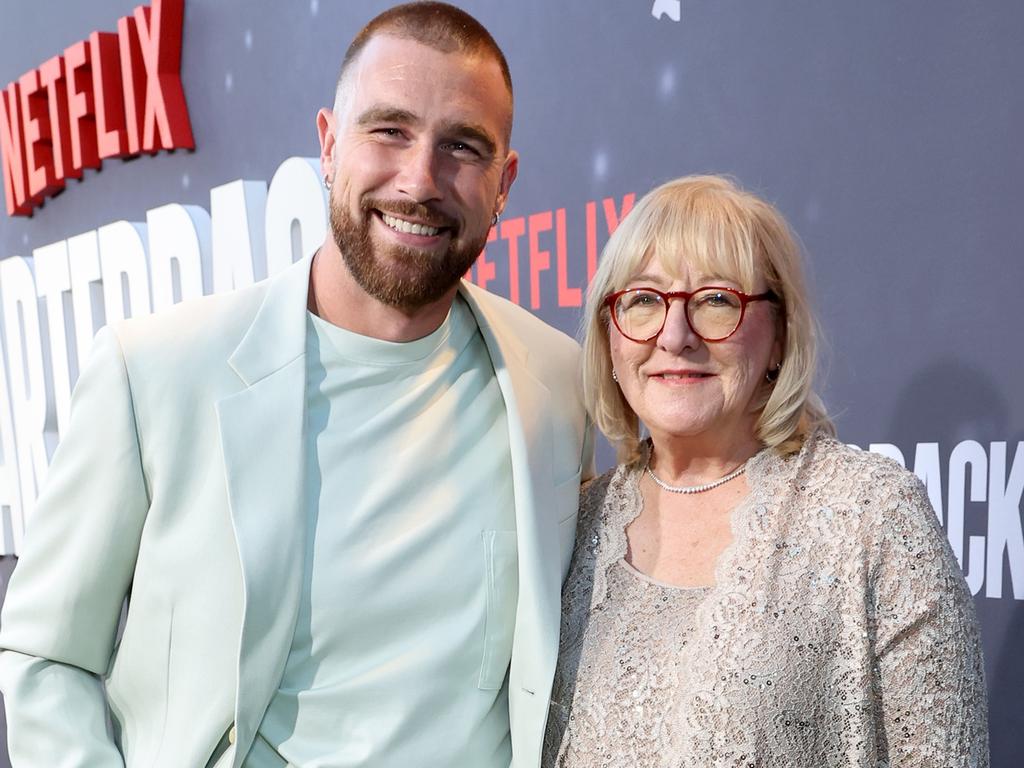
888	133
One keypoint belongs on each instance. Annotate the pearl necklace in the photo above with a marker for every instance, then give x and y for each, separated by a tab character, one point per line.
695	488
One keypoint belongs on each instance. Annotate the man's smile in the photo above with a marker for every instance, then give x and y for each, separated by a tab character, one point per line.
408	227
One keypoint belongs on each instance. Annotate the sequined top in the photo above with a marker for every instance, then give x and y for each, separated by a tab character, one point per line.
839	632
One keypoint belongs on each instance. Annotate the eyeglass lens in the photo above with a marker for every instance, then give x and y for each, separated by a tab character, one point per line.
713	313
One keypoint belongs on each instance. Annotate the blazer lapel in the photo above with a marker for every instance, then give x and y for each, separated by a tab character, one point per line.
261	430
535	644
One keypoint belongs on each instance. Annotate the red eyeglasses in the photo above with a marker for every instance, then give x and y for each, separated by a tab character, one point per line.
713	312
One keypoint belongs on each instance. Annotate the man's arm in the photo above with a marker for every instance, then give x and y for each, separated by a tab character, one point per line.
62	608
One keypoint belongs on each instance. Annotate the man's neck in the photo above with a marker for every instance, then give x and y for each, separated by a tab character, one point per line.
336	297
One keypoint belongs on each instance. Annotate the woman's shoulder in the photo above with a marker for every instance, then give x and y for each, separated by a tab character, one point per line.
613	485
605	499
865	495
595	489
825	463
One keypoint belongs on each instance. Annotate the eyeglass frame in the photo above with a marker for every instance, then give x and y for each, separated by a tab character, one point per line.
668	297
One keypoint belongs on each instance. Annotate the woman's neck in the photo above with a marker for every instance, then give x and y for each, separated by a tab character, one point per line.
698	459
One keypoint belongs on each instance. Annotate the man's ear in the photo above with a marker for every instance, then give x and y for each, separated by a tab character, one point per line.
508	174
325	128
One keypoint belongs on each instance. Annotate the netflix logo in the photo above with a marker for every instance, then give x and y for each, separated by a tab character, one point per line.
114	94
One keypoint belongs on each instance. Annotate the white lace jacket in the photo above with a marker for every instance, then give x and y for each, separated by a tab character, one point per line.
840	631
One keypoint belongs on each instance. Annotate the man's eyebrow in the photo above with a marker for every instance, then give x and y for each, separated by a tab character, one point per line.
470	132
476	133
381	114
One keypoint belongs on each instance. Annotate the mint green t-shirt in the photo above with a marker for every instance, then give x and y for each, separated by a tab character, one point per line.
404	631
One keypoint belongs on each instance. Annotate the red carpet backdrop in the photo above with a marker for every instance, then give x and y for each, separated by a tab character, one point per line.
159	152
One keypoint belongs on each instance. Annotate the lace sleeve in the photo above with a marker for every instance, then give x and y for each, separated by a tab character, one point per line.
928	674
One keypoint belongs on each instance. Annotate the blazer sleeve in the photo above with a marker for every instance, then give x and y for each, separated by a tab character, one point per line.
62	608
929	675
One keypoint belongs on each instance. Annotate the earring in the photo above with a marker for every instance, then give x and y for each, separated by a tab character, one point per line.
494	219
615	376
327	183
772	374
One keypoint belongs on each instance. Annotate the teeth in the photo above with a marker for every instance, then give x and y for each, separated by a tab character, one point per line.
401	225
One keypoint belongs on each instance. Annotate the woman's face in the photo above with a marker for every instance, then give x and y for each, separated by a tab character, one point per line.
682	386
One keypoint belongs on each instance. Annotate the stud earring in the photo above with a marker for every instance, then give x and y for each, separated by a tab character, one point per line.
615	376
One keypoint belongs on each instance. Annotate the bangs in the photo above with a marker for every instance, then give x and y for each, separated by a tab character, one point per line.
707	235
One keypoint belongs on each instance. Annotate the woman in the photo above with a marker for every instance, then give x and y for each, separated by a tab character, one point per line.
746	590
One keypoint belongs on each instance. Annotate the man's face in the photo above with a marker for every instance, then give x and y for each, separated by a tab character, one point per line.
420	164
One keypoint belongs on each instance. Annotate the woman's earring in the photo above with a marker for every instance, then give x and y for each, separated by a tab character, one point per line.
615	376
772	374
494	219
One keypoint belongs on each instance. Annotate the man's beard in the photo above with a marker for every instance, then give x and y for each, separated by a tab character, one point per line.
405	278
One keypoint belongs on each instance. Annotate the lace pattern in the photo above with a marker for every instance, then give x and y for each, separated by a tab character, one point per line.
629	716
839	632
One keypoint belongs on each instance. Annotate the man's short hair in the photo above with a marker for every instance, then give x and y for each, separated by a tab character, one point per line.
440	26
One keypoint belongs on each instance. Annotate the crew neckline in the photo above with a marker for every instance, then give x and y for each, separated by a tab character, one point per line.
454	332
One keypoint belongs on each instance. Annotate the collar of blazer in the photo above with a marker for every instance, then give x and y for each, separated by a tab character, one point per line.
277	334
261	430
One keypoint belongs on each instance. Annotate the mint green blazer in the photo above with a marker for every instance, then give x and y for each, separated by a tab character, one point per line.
179	485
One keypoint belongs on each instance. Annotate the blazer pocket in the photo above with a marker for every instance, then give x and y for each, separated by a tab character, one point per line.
501	574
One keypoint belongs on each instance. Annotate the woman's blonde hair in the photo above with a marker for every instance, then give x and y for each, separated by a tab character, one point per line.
716	228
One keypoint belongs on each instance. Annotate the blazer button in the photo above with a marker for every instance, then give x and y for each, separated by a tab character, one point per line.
231	735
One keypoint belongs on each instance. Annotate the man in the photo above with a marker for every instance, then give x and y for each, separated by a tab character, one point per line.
341	501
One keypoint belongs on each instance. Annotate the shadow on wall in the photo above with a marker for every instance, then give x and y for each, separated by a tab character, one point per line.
949	402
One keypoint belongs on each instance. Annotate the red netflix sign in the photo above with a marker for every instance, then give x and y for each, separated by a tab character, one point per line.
115	94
